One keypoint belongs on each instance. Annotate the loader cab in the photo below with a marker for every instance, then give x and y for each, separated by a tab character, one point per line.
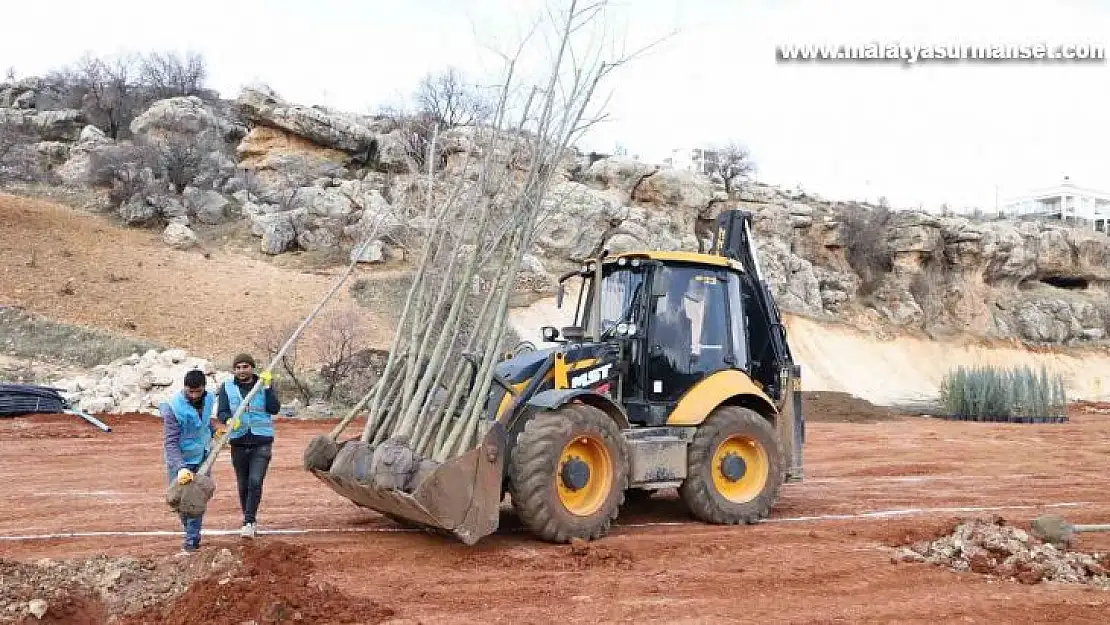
673	318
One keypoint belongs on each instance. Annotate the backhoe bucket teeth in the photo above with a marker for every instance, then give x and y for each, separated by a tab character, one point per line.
461	496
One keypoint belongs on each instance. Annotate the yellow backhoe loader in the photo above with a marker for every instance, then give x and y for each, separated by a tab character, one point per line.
676	373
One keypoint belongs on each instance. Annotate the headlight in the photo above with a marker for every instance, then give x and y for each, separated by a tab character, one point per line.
622	261
622	328
635	262
631	329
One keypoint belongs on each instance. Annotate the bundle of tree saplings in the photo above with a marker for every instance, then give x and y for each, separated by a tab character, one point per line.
430	404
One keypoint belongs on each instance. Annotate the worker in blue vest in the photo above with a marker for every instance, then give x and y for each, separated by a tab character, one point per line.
251	436
187	436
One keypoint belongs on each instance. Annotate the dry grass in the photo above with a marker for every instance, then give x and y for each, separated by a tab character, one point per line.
30	336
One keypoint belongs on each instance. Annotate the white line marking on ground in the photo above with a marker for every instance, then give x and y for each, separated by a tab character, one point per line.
917	478
881	514
877	514
85	493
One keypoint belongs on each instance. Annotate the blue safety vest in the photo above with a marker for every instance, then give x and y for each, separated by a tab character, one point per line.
254	419
195	431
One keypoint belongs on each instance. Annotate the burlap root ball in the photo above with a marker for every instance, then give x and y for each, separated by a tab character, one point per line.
320	453
393	464
352	463
192	498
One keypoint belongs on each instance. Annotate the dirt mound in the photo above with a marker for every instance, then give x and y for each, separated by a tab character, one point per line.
578	556
88	590
833	407
991	547
589	555
273	585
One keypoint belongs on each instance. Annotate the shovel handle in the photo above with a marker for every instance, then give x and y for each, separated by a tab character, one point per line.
206	467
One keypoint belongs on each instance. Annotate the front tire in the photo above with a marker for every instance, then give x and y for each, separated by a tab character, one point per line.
734	468
568	473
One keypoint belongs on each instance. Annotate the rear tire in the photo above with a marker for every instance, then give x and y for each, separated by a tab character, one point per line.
734	468
568	473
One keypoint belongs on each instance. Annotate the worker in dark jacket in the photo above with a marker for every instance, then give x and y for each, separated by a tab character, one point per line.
251	435
187	434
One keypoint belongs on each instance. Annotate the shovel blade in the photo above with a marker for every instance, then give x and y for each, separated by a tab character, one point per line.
461	496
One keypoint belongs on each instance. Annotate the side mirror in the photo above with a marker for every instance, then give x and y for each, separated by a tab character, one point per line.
559	296
550	333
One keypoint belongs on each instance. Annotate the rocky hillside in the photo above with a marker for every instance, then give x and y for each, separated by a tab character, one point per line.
310	178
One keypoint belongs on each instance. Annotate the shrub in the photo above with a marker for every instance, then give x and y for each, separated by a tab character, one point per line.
864	232
989	391
127	169
928	288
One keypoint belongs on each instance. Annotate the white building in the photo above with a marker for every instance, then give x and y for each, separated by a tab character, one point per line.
697	160
1067	202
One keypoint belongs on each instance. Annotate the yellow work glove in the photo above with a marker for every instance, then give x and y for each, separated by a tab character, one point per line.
233	423
266	376
184	476
220	431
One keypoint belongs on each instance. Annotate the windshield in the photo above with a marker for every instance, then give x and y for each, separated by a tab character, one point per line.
621	292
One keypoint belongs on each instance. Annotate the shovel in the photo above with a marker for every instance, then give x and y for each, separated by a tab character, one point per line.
1054	529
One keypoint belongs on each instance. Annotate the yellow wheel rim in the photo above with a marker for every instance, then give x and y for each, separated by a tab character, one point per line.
584	476
740	468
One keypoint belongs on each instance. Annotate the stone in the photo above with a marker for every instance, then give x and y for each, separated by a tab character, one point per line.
183	115
374	252
278	235
324	202
173	356
55	125
76	169
96	405
619	173
682	189
179	236
38	608
208	206
137	211
332	129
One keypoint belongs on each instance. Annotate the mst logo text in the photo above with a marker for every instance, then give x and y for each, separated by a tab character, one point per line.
593	376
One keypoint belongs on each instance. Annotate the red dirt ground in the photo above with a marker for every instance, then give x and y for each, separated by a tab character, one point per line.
823	557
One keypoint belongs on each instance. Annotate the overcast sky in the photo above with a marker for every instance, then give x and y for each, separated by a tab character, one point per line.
927	133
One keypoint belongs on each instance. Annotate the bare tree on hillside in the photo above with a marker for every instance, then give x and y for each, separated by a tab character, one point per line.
733	164
168	74
110	92
448	99
416	133
340	340
268	340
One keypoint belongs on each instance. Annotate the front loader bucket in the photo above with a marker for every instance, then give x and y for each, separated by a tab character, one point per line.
461	496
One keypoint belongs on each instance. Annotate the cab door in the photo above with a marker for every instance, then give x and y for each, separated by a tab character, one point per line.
688	332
